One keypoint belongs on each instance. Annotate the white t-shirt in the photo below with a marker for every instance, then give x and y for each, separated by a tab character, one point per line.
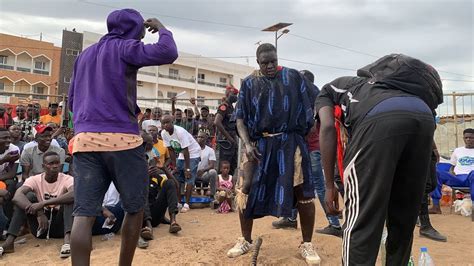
463	160
34	143
181	139
151	122
4	167
207	154
112	197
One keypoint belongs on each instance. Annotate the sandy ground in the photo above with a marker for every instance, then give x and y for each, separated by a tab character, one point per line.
207	236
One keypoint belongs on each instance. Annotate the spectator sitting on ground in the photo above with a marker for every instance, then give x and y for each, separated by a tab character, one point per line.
460	174
15	134
48	209
225	189
161	195
154	121
112	213
207	173
52	116
158	144
5	196
179	141
31	159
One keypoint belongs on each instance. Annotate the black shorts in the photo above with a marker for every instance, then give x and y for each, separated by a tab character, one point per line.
95	170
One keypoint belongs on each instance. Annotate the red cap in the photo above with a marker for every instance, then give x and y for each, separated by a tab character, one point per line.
232	88
40	128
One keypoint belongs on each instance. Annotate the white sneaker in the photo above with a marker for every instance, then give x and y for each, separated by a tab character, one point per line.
309	254
185	208
241	247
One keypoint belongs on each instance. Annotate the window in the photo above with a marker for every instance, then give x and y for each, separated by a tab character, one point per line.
139	83
38	89
72	52
201	77
2	86
40	65
223	81
160	94
3	59
171	94
67	80
174	73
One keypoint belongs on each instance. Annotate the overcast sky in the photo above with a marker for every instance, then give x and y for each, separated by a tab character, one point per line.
341	34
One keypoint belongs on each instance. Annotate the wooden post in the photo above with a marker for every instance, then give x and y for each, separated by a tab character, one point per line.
455	120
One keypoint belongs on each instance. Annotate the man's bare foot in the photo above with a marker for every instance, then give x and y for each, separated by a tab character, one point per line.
8	246
435	210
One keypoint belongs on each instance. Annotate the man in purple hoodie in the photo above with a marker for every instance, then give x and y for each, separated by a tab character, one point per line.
107	146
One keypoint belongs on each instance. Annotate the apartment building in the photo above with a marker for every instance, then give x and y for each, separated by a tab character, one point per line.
29	70
190	76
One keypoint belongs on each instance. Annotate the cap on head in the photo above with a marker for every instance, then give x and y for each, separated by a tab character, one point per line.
41	128
205	107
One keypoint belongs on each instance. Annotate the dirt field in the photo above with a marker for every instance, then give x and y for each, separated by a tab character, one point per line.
207	236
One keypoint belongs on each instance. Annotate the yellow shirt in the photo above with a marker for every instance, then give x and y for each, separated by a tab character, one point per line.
164	153
45	119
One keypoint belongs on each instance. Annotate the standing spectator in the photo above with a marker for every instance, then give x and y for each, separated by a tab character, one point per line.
226	125
45	201
154	121
143	117
179	141
5	118
15	134
53	115
205	125
31	160
28	125
207	173
20	114
107	145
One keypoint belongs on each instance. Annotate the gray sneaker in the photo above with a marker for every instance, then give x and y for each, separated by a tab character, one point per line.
285	223
241	247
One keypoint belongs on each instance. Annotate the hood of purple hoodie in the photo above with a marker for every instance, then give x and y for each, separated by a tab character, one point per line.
125	24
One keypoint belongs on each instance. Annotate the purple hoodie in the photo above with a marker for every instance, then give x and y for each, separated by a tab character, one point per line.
103	92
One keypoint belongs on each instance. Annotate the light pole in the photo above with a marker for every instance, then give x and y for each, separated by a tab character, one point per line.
275	28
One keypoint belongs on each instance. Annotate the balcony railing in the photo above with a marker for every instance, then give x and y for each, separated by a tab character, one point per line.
41	72
23	69
6	67
147	73
176	78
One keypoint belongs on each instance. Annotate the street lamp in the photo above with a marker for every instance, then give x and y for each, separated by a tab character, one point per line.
275	28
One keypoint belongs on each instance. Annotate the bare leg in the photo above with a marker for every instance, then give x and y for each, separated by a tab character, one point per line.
81	240
189	191
246	227
130	232
307	214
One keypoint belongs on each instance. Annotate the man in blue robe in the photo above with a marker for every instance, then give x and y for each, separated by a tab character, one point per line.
274	113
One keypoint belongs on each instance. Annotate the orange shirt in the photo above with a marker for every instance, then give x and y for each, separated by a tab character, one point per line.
45	119
164	152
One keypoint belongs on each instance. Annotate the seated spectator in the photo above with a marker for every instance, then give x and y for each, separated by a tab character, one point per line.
461	172
5	196
207	173
15	134
53	115
112	213
225	189
9	155
48	210
158	143
161	195
179	141
154	121
31	159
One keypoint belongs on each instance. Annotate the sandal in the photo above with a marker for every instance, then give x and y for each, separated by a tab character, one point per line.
146	233
174	228
65	251
142	243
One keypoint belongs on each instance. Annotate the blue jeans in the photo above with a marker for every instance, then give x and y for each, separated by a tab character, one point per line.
446	178
320	188
193	165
